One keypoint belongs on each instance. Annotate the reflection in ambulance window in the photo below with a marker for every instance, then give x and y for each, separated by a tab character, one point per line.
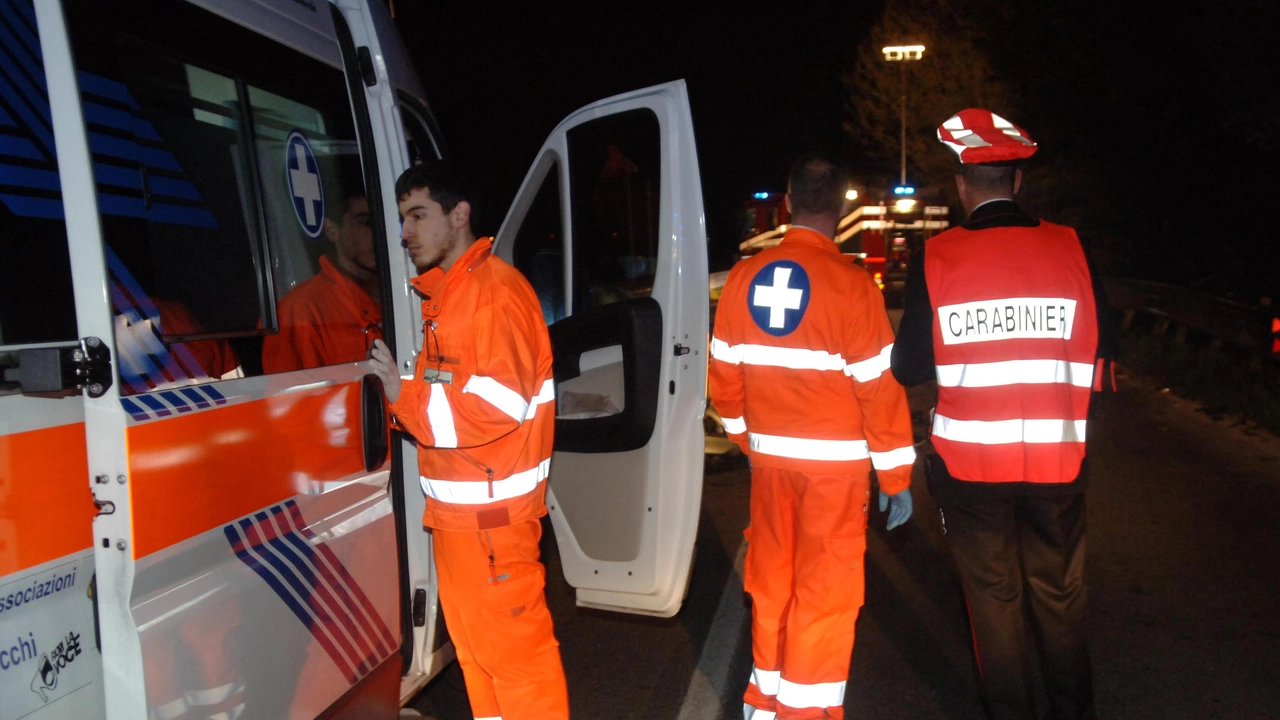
215	152
614	178
36	300
538	250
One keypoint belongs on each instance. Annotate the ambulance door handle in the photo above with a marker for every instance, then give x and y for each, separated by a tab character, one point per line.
374	426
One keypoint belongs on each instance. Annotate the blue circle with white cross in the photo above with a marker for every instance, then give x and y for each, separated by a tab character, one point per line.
304	183
778	297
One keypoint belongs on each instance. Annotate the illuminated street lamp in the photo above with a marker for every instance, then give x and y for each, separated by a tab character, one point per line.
903	53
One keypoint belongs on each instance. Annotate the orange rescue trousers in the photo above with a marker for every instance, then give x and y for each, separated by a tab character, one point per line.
491	589
804	572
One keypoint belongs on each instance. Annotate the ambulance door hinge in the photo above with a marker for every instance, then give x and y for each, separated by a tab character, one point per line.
368	73
61	370
419	608
105	507
681	349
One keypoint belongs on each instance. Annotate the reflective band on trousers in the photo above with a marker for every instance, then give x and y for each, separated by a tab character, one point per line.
815	695
1015	372
734	425
808	448
1002	432
477	492
893	458
765	680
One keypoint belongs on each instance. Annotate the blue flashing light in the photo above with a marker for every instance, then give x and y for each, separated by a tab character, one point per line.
761	196
904	190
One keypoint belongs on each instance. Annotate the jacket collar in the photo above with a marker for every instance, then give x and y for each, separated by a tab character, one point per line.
434	284
797	235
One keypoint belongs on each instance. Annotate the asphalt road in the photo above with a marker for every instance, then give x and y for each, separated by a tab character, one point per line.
1183	571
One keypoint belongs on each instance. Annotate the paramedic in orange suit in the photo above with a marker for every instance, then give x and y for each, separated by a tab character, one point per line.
481	405
335	316
800	375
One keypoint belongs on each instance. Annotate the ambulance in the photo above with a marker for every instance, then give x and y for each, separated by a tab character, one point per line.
185	535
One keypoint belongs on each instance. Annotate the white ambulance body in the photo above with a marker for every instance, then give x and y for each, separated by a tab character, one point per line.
185	535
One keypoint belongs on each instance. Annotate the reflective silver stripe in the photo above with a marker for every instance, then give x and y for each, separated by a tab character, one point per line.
766	680
808	448
495	717
1015	372
440	418
498	395
477	492
170	710
212	696
893	458
1000	432
545	395
233	714
751	712
814	695
734	425
721	350
871	368
770	356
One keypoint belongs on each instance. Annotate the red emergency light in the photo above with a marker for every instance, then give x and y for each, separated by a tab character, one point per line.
1275	330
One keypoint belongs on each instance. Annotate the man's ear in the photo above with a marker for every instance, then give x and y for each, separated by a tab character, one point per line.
331	230
786	199
460	217
1017	180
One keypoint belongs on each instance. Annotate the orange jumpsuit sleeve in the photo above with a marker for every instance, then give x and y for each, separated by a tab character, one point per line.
489	400
724	373
886	419
298	344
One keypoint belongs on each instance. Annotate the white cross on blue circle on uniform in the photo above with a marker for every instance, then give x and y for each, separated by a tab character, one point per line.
779	296
304	183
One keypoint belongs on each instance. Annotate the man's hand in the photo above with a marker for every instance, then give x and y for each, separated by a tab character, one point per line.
901	510
384	366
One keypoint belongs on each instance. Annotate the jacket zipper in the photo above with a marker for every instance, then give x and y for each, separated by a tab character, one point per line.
493	568
474	461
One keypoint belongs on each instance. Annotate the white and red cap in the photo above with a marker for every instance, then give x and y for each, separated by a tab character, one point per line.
981	136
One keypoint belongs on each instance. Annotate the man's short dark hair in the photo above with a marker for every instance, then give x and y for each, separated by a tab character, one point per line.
445	185
817	186
989	177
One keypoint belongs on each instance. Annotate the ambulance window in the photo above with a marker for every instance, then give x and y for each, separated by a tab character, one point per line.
614	178
421	143
538	249
36	299
221	157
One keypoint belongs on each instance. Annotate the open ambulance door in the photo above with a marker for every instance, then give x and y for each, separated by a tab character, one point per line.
609	229
210	154
398	104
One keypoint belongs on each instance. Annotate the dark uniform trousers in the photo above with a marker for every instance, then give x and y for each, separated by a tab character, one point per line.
1033	547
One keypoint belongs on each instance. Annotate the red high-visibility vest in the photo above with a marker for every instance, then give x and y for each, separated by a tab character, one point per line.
1015	336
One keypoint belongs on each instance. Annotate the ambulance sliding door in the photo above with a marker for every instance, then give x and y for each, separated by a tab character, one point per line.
609	229
245	552
50	664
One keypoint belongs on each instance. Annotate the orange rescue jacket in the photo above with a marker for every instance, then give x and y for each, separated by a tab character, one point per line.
800	360
326	320
481	401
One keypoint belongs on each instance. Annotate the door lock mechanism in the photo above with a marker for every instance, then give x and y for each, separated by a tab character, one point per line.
60	370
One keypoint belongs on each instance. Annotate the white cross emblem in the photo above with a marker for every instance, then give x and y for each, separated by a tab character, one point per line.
778	297
306	184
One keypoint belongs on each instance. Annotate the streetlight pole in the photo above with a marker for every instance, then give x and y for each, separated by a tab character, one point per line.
903	53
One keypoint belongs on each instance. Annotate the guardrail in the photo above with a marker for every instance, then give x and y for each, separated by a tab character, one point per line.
1227	322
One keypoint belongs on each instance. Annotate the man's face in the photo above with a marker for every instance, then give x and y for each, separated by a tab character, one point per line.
354	237
426	230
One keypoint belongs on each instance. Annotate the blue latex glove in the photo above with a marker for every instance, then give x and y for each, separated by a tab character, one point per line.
901	510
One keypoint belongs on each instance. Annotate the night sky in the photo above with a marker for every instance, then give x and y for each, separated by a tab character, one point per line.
1167	120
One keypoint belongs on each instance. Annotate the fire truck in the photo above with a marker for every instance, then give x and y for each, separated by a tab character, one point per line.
883	225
